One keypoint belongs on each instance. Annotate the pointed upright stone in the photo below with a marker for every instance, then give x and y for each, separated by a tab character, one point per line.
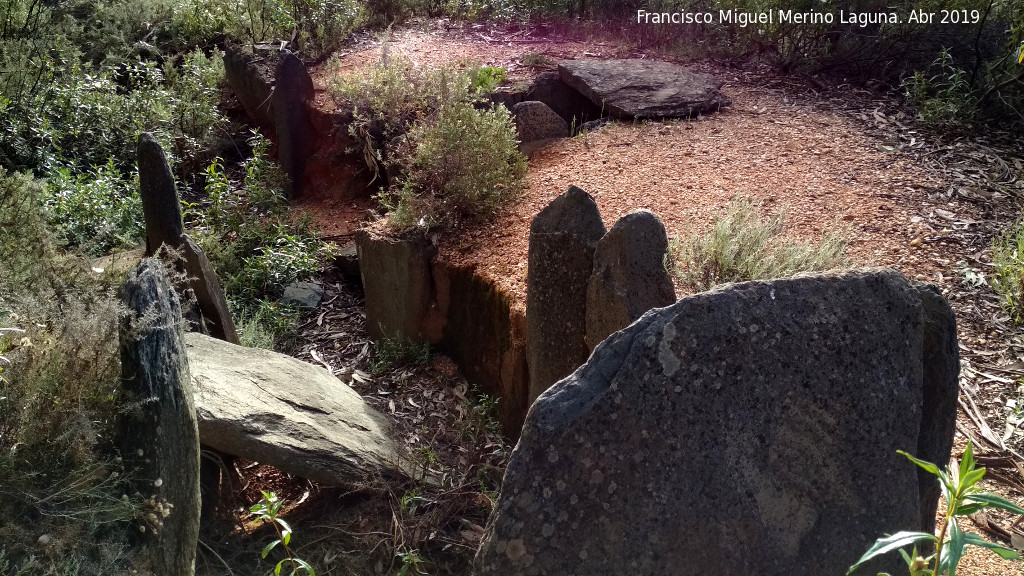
563	237
161	206
629	275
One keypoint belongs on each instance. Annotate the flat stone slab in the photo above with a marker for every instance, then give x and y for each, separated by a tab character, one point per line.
643	88
281	411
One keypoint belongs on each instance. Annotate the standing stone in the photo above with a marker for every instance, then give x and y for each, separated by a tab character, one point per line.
536	122
161	206
629	275
158	430
202	279
293	89
397	283
566	101
161	209
752	429
563	237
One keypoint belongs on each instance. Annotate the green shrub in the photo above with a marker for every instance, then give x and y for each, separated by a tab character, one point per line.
397	350
742	245
942	95
1008	279
464	164
95	211
58	393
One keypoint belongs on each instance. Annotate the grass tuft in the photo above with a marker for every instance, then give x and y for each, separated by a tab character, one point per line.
745	245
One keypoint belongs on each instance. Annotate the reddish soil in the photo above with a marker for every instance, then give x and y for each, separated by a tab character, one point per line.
827	160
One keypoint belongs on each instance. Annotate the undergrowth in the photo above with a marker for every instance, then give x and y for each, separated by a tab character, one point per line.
439	158
745	245
1008	279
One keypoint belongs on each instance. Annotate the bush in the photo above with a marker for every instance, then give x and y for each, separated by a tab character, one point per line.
942	95
58	393
395	351
1008	280
449	159
465	163
742	245
95	211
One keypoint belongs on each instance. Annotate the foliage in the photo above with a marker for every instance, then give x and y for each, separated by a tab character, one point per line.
963	497
743	245
1008	279
452	160
397	350
269	509
466	163
97	210
942	98
256	250
58	388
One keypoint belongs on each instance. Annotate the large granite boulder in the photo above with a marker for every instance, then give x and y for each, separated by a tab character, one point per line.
560	257
643	88
748	430
157	429
629	275
281	411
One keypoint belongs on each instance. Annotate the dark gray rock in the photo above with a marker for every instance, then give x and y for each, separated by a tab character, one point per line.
278	410
347	261
537	123
293	89
748	430
507	97
203	282
629	275
161	206
566	101
251	77
158	431
303	294
563	237
396	282
941	389
643	88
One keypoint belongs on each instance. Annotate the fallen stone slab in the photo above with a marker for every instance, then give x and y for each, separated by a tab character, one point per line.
306	295
634	88
536	123
281	411
752	429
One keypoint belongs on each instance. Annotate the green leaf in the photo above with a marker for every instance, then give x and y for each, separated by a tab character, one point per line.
893	542
1002	551
277	569
927	466
996	502
256	508
966	462
968	509
269	548
971	478
283	524
305	565
286	536
954	549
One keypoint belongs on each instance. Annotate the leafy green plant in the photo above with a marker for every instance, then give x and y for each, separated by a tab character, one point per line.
269	509
942	95
412	562
397	350
744	245
1008	279
485	79
963	497
465	164
97	210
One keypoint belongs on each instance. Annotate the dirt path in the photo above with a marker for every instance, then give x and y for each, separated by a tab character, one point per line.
780	144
